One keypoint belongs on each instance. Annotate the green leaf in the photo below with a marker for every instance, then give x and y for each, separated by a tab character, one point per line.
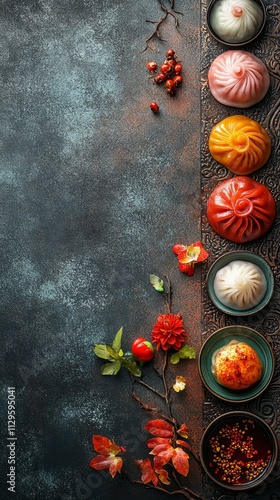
102	351
117	342
175	358
112	352
187	352
111	368
157	283
132	367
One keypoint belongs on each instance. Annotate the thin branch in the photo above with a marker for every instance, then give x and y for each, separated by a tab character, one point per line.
186	492
154	410
141	382
167	12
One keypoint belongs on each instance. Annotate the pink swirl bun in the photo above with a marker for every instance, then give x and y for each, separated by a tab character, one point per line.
241	209
238	78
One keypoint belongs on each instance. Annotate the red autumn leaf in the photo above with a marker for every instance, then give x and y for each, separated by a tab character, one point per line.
148	473
180	461
107	458
163	458
151	443
161	449
163	476
104	446
111	462
159	428
183	443
183	431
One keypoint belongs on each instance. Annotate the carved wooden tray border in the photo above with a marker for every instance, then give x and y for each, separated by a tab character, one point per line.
267	321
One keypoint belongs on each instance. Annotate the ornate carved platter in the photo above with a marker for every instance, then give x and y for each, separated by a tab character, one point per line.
267	321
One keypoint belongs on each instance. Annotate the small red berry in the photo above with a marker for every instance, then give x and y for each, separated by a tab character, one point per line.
151	66
154	107
166	69
170	87
160	78
178	68
178	80
171	62
170	53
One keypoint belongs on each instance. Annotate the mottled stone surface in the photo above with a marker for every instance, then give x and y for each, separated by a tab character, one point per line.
95	190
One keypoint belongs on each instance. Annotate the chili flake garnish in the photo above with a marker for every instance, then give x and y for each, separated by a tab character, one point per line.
239	453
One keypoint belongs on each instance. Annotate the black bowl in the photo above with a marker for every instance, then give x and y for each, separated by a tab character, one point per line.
232	44
228	446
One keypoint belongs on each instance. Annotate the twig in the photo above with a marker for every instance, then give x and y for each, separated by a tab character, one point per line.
167	12
186	492
154	410
155	391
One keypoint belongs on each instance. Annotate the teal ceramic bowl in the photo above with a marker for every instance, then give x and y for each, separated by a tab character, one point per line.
227	430
244	256
222	337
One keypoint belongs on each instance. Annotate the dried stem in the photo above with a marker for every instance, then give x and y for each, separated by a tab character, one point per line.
186	492
168	11
165	396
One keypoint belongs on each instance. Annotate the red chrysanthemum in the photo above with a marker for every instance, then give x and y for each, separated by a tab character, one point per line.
168	332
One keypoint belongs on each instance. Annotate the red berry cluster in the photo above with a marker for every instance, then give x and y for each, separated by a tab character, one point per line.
169	73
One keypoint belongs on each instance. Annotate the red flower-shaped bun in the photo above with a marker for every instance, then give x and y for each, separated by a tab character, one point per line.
238	78
241	209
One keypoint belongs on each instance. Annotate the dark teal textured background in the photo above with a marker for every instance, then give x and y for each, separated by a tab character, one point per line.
95	190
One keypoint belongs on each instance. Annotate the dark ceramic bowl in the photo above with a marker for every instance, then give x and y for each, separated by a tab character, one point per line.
232	44
244	256
227	435
222	337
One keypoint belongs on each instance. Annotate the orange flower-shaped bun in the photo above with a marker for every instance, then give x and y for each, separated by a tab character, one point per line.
240	144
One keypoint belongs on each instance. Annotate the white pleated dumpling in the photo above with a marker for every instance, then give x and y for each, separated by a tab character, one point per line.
236	21
240	285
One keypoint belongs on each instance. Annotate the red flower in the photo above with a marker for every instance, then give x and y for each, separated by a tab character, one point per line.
188	256
169	331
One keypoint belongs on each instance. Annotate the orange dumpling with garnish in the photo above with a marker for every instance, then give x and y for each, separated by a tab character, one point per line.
240	144
236	365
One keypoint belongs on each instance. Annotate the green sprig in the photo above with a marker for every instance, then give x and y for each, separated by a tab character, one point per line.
116	357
